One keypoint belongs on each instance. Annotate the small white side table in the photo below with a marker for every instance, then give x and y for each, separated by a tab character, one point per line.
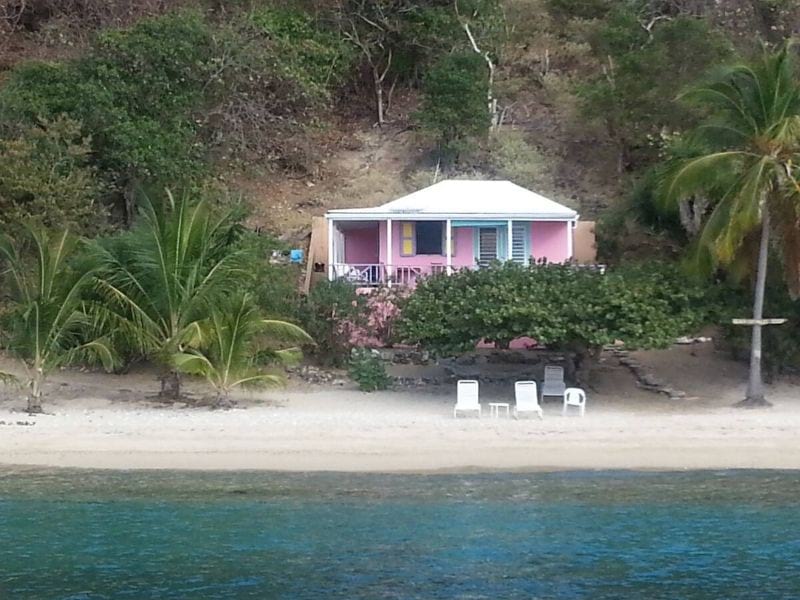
494	409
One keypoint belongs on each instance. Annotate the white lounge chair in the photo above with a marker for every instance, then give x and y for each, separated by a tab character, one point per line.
467	397
553	382
574	397
527	399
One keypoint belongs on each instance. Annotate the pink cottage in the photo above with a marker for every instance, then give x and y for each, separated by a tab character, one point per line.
451	225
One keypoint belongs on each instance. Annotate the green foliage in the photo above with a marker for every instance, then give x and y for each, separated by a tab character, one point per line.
330	313
781	350
160	280
319	59
275	287
45	178
233	339
559	306
368	371
134	94
155	100
743	157
48	323
454	106
632	92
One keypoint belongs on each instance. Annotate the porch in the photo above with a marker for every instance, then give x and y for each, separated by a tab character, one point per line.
401	252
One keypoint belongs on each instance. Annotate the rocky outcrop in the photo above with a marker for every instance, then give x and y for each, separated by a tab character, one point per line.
645	379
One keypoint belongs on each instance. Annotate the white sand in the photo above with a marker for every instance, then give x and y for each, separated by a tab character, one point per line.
344	430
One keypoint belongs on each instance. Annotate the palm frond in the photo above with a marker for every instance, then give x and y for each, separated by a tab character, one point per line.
9	379
52	323
236	341
166	274
286	357
283	331
259	380
192	363
688	177
744	153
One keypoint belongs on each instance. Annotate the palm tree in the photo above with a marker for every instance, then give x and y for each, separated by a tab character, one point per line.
50	323
238	339
162	278
747	149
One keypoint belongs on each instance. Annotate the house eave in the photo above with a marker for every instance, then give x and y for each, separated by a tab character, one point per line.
346	215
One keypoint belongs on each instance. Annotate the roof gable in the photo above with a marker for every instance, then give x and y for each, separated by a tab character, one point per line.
468	198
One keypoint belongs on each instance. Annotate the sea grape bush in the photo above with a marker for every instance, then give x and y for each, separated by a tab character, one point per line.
560	306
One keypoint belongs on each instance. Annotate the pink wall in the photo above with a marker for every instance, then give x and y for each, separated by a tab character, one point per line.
361	246
549	239
463	251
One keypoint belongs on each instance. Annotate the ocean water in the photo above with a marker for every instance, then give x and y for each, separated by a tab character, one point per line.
139	535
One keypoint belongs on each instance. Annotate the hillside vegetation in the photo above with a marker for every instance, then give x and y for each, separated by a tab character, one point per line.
303	106
154	154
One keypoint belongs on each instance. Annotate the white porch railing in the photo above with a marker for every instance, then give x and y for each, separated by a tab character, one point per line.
380	274
375	274
366	275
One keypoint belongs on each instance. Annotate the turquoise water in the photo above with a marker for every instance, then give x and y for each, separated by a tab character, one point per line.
91	535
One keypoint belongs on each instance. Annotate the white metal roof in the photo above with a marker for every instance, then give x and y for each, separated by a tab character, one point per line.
466	199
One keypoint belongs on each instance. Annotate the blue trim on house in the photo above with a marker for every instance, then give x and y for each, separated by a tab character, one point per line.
478	223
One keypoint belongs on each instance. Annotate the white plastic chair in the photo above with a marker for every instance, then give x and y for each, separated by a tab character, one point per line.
527	399
467	397
553	382
574	397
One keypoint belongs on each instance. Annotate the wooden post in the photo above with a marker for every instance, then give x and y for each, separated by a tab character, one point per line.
331	250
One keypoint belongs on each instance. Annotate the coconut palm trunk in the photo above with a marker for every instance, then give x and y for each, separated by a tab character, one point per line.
170	386
755	384
744	156
35	393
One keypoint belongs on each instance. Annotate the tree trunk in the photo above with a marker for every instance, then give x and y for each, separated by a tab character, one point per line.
129	200
35	394
755	385
378	81
170	386
223	400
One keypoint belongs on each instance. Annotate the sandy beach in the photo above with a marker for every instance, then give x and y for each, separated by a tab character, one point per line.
101	421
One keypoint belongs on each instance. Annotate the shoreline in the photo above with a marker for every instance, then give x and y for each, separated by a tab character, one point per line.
13	470
141	465
111	422
343	431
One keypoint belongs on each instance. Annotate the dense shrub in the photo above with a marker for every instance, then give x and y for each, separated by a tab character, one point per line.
134	95
378	326
633	93
780	345
319	59
46	178
156	101
454	105
558	305
275	284
366	368
330	313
